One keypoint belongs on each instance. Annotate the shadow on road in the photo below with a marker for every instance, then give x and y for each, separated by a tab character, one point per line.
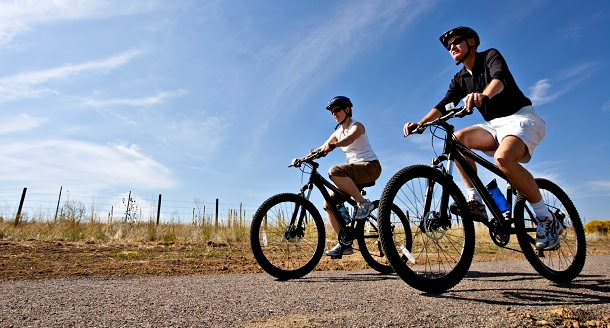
562	294
349	277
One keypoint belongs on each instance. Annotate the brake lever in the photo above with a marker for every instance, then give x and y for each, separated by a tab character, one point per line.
463	112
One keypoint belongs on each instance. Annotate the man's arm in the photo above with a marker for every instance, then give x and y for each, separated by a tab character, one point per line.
431	116
477	99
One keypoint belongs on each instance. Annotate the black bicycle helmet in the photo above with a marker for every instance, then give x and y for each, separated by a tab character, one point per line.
339	101
462	31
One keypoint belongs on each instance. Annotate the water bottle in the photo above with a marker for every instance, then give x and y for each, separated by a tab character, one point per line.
497	196
344	213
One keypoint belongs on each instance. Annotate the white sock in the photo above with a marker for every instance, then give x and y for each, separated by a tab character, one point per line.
473	194
540	209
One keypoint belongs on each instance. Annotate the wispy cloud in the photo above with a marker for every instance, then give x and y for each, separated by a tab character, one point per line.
30	84
606	106
599	185
301	67
547	90
20	123
202	133
93	167
17	17
155	99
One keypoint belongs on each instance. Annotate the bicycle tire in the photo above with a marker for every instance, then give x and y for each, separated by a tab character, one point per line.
281	254
566	262
438	257
367	235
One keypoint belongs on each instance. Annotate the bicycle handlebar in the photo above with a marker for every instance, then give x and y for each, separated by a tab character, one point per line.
309	158
456	112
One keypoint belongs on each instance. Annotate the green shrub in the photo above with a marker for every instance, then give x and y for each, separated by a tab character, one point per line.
596	226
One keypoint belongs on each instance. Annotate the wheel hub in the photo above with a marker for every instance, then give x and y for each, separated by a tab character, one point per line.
432	226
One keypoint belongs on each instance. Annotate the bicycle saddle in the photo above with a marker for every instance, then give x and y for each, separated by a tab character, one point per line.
364	185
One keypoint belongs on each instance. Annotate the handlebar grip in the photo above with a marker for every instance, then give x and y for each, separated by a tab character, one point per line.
416	129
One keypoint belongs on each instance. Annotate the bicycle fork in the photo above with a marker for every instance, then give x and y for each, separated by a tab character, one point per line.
442	219
296	228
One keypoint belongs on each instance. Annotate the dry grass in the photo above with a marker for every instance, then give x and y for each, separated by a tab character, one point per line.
76	230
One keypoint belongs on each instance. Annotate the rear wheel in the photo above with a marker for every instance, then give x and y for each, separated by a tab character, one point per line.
367	232
440	252
564	263
282	247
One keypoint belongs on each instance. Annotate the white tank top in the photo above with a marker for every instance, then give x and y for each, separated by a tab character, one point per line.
358	151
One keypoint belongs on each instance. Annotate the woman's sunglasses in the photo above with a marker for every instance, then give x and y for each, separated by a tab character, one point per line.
336	110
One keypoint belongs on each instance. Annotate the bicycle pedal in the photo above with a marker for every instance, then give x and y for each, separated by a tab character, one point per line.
336	257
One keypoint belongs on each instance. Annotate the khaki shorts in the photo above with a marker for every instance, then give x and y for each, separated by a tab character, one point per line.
524	124
360	172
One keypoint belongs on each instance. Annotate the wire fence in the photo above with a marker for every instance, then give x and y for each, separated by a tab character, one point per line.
33	206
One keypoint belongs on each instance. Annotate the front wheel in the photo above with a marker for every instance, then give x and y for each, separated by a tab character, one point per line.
287	236
565	262
441	245
367	234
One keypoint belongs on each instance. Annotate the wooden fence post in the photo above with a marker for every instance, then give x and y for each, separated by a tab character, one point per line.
20	206
58	200
216	223
127	210
158	209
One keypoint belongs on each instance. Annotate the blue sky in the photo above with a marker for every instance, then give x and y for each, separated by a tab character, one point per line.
199	100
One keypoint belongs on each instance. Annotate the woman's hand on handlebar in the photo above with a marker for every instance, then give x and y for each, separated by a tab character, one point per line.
409	128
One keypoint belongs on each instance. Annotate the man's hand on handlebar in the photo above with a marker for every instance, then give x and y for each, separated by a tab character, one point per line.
475	99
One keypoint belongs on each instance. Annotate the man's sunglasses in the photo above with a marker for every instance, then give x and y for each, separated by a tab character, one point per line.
455	42
336	110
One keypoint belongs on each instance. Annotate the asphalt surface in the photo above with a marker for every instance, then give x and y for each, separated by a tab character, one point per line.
494	294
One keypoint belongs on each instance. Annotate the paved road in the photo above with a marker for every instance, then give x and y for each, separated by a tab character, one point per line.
492	294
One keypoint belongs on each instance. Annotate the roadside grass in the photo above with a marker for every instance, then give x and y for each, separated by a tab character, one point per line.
77	230
90	230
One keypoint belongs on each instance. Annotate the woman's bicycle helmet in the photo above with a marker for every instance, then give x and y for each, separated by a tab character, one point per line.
339	101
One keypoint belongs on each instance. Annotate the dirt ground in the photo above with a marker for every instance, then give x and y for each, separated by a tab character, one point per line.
36	259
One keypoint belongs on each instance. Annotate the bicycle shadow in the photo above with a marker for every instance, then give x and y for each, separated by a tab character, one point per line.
348	277
569	294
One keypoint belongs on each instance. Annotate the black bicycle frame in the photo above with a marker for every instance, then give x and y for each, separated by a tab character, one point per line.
454	150
316	179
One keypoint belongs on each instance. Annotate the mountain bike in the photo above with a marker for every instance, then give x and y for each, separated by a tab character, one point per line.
288	236
443	235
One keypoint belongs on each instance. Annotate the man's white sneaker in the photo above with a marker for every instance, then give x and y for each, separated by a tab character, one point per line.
547	232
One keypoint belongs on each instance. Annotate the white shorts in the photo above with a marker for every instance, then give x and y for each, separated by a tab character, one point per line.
524	124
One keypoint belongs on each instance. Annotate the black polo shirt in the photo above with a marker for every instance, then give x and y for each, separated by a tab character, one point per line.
488	65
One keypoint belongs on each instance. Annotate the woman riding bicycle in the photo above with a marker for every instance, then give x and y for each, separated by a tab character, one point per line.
362	164
512	129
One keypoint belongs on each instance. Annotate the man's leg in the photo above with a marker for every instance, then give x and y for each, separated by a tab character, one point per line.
511	150
507	157
474	137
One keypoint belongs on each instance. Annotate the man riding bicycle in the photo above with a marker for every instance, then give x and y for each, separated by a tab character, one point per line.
362	164
512	129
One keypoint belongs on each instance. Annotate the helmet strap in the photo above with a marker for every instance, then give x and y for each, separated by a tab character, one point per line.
343	121
457	62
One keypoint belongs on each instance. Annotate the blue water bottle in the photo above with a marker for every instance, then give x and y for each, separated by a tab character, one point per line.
344	213
497	196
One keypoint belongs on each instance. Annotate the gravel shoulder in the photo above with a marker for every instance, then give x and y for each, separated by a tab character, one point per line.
494	294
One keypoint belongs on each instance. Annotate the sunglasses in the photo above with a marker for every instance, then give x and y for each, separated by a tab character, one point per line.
455	42
336	110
